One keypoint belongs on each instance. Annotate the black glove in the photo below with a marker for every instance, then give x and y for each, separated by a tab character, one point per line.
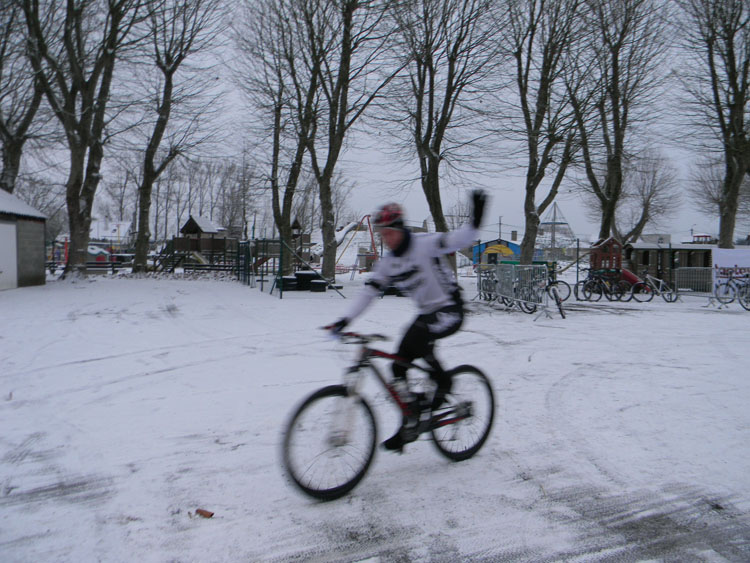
338	326
478	199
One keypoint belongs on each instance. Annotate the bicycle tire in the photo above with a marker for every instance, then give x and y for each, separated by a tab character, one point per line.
592	290
626	290
642	292
526	301
578	290
552	290
313	460
668	294
725	293
461	439
563	289
611	292
743	296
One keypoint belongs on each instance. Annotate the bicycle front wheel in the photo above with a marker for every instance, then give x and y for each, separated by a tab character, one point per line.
462	424
555	296
626	290
592	291
642	292
329	443
563	289
527	300
743	296
724	293
578	290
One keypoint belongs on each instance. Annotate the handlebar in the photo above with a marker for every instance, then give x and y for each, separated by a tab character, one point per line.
356	337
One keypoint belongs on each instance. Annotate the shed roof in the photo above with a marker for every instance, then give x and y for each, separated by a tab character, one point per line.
12	205
199	225
640	245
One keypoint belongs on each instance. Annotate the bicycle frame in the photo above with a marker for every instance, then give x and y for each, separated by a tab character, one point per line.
658	285
355	374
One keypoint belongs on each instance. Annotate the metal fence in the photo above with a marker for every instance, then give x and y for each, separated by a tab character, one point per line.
513	284
696	282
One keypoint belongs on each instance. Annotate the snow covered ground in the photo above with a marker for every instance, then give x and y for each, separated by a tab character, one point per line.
621	433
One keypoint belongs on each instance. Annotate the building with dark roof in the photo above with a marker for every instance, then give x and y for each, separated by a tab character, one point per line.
22	249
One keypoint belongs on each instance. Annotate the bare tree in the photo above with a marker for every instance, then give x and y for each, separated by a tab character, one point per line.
73	47
717	34
706	189
179	30
20	93
281	82
120	194
650	193
450	53
46	196
612	86
539	39
345	41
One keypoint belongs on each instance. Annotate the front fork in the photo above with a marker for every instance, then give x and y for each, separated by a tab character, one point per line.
343	418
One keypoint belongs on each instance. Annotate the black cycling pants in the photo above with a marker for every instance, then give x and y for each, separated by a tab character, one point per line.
419	340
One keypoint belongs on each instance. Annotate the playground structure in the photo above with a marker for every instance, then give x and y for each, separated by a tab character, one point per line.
365	258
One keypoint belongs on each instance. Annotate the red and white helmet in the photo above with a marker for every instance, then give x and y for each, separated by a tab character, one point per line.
389	215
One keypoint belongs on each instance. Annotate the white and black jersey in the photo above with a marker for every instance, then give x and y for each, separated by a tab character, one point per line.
418	268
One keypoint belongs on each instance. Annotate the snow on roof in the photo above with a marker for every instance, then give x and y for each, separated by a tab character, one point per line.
641	245
204	224
13	205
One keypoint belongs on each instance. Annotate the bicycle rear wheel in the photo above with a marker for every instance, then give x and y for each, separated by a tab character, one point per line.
329	443
668	294
462	424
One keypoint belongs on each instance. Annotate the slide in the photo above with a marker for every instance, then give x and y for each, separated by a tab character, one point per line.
629	276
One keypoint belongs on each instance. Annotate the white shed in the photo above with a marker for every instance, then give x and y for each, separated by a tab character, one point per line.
22	250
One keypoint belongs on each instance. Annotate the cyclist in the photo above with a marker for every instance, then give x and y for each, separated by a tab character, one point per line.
417	265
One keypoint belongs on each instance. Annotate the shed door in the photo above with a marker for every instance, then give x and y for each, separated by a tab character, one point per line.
8	264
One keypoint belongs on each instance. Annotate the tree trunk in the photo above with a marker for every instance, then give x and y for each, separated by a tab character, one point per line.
606	227
528	243
735	173
12	152
328	227
431	189
143	238
79	224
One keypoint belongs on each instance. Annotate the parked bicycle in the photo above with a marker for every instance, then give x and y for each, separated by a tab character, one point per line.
563	287
735	287
557	290
645	290
603	283
329	441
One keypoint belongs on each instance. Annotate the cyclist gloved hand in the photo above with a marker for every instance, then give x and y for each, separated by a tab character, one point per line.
478	200
338	326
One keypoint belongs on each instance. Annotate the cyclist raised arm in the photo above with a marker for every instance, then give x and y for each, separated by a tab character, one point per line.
417	265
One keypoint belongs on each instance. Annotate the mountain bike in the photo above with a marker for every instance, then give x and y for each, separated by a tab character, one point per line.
608	285
645	290
330	438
